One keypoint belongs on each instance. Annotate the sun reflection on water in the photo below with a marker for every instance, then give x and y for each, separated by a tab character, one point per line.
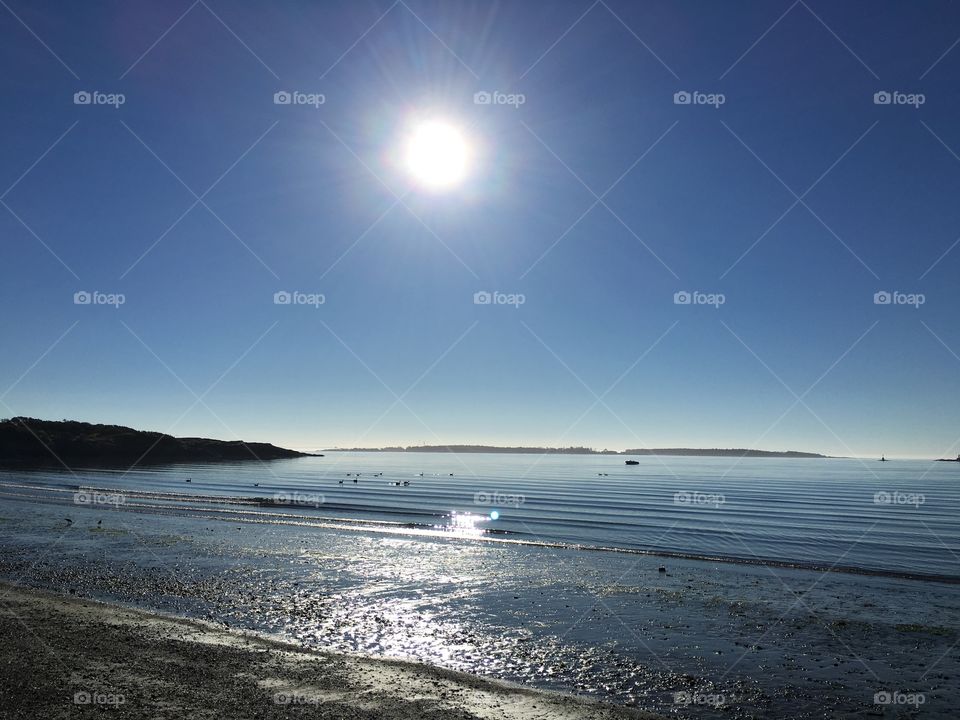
465	524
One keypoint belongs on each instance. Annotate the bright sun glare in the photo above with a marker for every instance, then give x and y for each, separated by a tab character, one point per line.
437	155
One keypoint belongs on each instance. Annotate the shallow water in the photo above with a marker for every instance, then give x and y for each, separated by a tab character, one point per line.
900	517
703	639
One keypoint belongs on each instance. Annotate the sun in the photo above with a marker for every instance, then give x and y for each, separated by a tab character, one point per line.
437	155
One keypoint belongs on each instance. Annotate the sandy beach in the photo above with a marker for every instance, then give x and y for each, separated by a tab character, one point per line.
64	657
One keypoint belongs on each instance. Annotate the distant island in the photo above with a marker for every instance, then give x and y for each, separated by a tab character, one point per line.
695	452
31	441
723	452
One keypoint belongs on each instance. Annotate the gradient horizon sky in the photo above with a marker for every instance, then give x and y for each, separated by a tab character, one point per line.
314	199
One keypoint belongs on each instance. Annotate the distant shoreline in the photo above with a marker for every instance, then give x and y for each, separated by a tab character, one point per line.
677	452
29	441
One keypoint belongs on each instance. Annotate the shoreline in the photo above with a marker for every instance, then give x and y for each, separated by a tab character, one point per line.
79	652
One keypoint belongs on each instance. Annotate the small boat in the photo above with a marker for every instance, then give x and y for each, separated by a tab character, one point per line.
633	462
883	458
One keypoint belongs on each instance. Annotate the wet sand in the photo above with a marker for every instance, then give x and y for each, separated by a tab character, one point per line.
66	657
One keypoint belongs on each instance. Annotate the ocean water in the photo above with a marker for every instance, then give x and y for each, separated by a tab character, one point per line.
691	586
901	517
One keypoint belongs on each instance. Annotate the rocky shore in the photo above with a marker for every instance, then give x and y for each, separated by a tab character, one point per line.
65	657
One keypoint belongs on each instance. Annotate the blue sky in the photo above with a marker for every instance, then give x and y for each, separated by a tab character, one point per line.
313	199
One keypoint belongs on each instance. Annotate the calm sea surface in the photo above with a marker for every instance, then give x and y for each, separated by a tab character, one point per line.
899	516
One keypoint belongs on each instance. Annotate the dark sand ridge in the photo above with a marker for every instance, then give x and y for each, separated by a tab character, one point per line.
55	647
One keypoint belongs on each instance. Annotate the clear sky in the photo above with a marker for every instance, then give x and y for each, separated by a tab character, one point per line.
783	189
